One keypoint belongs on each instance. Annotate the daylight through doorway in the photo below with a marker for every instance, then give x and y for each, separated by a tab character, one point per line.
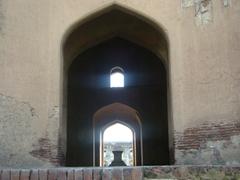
118	139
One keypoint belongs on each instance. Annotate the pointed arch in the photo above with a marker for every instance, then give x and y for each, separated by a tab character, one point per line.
94	13
113	20
105	23
109	115
116	137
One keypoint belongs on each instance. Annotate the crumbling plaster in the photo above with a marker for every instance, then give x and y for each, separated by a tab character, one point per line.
20	135
19	132
204	9
209	143
203	67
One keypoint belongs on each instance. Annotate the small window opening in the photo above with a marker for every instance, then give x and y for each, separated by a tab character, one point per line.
118	141
116	77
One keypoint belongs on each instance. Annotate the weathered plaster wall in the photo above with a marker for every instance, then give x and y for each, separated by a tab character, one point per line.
203	69
210	98
22	144
29	113
19	134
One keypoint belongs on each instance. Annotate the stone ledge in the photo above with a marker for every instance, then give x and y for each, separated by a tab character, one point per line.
125	173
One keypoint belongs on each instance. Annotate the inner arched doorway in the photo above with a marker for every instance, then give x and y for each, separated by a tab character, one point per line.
118	142
112	114
90	52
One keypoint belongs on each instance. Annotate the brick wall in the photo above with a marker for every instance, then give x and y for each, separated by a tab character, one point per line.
209	144
197	137
72	174
136	173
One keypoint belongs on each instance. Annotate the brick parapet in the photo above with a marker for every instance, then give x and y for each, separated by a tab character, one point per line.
123	173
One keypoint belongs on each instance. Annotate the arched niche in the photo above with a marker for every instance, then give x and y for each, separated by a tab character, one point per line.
111	114
100	26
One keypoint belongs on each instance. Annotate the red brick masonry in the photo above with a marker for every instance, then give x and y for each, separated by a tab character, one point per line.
126	173
196	137
72	174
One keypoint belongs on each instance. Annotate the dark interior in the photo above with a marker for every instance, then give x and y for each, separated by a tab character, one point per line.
89	90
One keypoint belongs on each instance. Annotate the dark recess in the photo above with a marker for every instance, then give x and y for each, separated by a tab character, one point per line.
145	90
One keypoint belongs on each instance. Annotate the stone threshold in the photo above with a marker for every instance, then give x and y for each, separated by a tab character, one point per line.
124	173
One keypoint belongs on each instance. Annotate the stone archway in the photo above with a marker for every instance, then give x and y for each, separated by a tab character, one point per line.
113	21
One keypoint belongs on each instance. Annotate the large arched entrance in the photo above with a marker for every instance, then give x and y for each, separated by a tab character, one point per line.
115	37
